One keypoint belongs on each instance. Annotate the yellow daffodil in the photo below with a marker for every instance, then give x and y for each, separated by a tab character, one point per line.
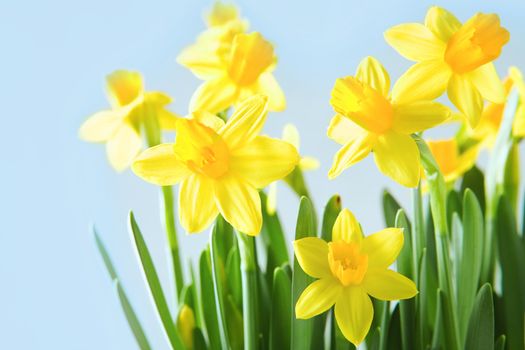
245	71
349	270
290	135
222	14
220	166
490	121
368	119
452	57
186	325
120	126
451	163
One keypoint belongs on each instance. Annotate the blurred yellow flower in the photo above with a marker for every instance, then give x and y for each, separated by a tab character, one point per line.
451	163
222	14
290	135
453	57
186	325
220	166
349	269
120	126
490	121
369	120
246	71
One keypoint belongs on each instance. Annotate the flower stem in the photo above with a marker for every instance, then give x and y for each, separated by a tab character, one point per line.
249	290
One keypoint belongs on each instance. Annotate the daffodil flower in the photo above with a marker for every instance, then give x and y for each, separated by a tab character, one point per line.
350	269
451	163
368	119
452	57
222	14
246	70
186	325
220	166
490	121
306	163
120	126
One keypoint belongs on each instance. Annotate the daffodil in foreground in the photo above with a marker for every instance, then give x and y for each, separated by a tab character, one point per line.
119	127
245	71
490	121
306	163
220	166
350	269
451	163
369	120
451	57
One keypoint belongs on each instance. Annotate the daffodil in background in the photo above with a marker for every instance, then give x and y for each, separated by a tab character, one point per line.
220	166
186	325
368	119
349	270
451	162
490	121
306	163
451	57
120	126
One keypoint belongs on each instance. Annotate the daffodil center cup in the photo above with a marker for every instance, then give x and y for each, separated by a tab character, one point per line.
477	42
347	263
201	149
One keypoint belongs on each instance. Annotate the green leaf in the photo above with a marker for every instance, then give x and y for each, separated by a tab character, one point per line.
305	228
470	257
154	284
130	314
394	331
480	333
500	343
475	181
280	324
331	211
453	206
208	301
437	335
390	208
235	322
233	271
217	268
511	177
512	261
341	343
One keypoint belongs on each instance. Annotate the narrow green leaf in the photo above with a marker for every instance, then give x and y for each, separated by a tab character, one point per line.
390	208
394	331
153	282
500	343
305	227
331	211
280	326
384	307
437	336
199	343
470	257
453	206
373	339
474	179
274	239
424	303
217	268
208	301
341	343
235	322
480	333
512	262
233	271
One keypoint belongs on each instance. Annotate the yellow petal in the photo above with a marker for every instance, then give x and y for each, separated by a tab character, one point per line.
386	284
209	119
418	116
100	126
251	55
354	313
203	60
383	247
442	22
312	255
342	129
221	14
123	147
357	148
309	163
240	204
246	122
196	203
263	161
123	87
167	119
160	166
268	85
214	95
466	161
346	228
397	156
415	42
518	128
423	81
372	72
464	95
271	199
488	83
291	135
318	297
157	98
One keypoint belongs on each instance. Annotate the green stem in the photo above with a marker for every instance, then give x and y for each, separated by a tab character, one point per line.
418	232
249	290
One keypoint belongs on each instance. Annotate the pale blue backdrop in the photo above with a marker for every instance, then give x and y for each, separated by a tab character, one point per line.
54	291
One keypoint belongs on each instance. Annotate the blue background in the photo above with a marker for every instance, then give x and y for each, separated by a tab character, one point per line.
54	291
